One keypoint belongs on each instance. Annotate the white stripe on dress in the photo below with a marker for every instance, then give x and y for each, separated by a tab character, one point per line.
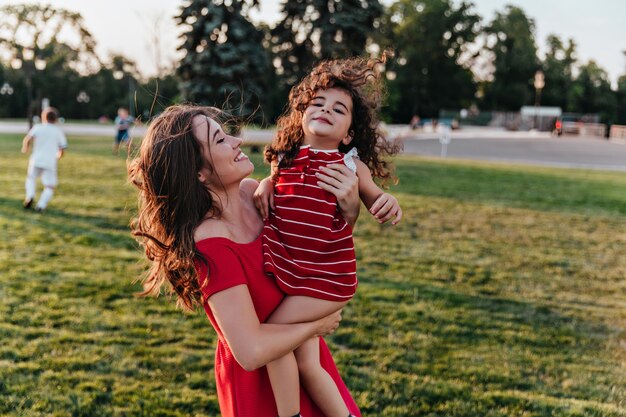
298	183
308	250
306	211
309	278
305	197
308	237
311	225
334	161
301	173
315	290
295	262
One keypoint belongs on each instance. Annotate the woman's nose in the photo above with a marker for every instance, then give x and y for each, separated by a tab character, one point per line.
235	141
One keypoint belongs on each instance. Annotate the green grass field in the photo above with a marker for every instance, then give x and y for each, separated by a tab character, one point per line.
501	293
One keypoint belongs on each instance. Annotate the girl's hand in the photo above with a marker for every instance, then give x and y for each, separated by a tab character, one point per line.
340	181
386	207
264	197
328	325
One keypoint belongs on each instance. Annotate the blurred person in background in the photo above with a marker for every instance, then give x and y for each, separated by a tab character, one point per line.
48	143
123	123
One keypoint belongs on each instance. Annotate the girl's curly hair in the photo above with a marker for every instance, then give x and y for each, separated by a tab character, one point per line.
361	79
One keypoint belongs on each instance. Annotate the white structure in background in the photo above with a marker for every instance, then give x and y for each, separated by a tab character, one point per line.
540	118
445	136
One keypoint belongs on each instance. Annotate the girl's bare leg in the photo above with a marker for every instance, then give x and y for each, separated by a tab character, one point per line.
319	384
283	375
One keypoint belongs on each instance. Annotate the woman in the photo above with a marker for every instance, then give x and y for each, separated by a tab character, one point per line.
201	232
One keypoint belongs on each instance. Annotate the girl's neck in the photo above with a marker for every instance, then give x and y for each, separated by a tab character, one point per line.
326	144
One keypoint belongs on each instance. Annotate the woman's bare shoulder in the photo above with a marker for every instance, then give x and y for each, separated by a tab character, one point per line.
209	228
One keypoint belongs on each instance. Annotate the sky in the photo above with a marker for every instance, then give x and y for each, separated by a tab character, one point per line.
125	26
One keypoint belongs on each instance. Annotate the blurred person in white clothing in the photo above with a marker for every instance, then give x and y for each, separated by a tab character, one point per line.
48	143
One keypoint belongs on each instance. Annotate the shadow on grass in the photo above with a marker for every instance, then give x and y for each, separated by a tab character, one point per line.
438	345
84	230
574	191
456	321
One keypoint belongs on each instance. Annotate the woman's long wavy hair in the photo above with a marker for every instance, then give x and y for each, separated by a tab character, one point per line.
360	78
172	202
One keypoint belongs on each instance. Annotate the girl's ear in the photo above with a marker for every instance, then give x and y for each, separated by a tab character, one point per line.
348	138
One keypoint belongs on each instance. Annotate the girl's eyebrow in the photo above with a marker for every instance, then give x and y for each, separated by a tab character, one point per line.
337	102
346	107
215	134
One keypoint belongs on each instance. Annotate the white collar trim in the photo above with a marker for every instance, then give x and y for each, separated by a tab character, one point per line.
319	150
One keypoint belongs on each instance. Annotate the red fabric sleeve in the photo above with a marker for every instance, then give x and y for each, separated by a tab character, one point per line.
224	269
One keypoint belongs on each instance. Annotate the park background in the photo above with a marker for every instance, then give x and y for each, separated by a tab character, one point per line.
448	56
501	293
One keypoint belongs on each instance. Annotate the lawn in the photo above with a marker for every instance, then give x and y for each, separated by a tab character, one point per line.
501	293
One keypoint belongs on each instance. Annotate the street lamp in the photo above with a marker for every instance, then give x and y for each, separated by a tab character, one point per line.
6	89
30	62
82	98
539	83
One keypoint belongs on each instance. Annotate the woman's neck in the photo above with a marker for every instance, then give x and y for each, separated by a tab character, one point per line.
231	205
238	220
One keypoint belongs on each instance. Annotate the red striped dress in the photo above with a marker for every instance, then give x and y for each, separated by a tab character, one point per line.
307	244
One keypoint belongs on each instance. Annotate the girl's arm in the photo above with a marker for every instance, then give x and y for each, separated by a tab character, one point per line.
254	344
264	194
382	205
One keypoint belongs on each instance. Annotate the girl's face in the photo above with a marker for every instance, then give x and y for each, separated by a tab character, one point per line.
327	119
221	152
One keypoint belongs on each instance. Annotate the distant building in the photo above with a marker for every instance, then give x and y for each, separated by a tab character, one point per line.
540	118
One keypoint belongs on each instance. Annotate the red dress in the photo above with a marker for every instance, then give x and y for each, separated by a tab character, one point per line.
307	244
242	393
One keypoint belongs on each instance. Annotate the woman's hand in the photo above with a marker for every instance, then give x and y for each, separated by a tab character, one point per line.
264	197
328	325
340	181
386	207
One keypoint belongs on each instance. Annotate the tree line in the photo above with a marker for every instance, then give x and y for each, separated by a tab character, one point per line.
446	57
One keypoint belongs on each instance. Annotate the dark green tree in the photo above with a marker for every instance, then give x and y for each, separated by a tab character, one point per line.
558	66
225	62
49	49
591	92
620	98
511	35
312	30
431	68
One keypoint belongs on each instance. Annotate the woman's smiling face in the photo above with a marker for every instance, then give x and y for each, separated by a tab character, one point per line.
225	163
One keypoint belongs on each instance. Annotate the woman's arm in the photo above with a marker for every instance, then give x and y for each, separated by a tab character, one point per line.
254	344
344	184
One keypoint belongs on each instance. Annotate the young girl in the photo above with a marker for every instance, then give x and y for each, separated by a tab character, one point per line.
307	245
